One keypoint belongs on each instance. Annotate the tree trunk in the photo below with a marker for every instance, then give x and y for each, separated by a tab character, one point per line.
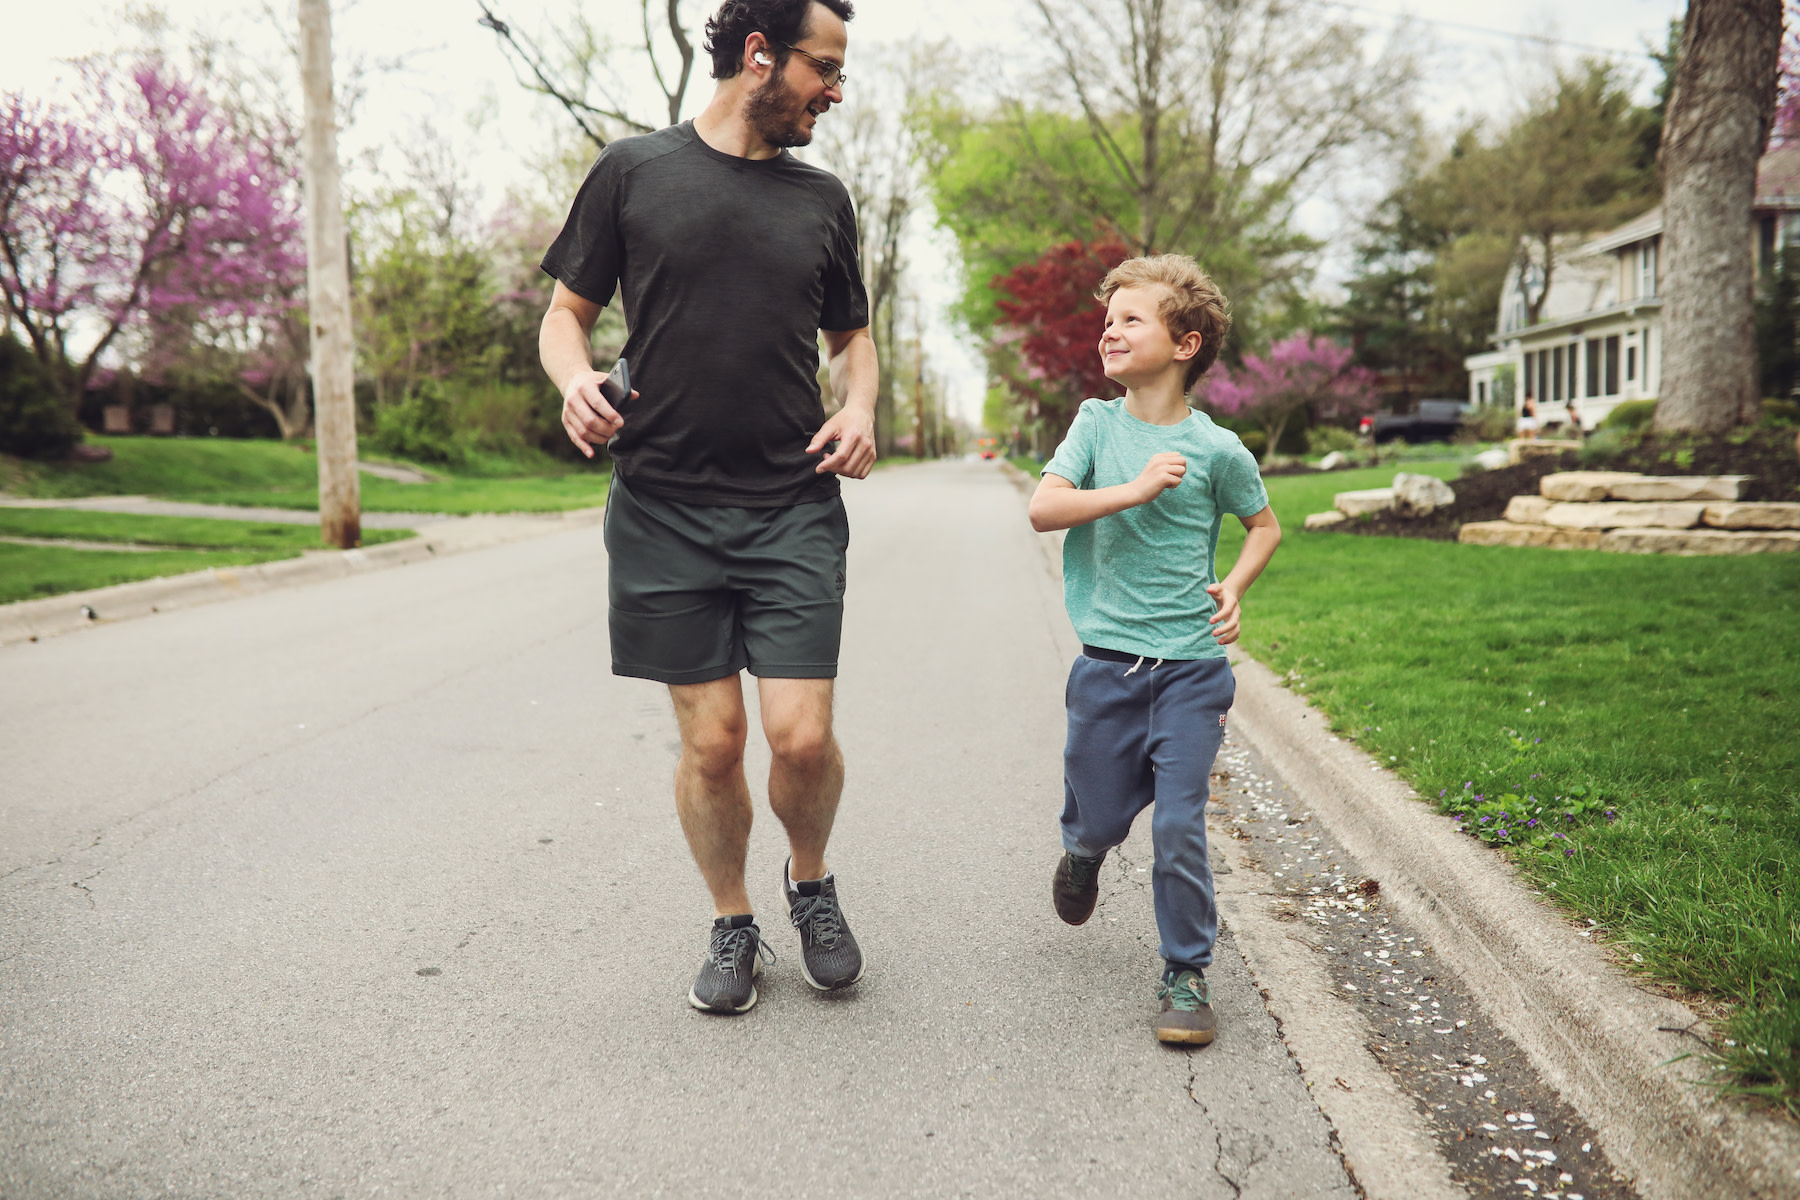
1719	112
328	290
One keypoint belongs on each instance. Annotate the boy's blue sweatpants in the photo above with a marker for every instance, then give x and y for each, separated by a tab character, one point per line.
1142	736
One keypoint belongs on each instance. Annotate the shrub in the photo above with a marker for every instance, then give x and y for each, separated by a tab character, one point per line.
1255	441
35	421
1323	439
1780	413
418	428
1631	415
1489	422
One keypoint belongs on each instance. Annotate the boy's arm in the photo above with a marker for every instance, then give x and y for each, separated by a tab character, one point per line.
1059	504
1262	533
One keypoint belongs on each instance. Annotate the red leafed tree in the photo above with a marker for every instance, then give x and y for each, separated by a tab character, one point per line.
1059	321
151	203
1301	372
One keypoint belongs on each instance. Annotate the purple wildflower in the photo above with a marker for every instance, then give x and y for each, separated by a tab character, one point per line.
1611	815
1568	852
1531	824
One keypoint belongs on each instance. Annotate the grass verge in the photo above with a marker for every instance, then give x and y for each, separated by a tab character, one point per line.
285	475
1631	716
193	544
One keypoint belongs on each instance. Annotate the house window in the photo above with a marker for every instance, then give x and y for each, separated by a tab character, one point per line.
1593	367
1481	391
1612	365
1647	269
1530	390
1543	373
1556	375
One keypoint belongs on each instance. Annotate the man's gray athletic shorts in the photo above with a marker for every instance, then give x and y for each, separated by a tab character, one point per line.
699	592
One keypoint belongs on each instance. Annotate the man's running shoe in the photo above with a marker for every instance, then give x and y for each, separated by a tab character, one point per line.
829	956
1186	1017
1075	887
727	980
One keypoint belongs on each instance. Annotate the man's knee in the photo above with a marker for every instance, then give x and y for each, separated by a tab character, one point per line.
715	747
802	744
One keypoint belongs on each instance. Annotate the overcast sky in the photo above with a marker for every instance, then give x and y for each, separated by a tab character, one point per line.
1479	56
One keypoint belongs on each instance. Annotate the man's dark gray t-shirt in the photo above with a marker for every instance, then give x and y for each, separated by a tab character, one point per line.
728	267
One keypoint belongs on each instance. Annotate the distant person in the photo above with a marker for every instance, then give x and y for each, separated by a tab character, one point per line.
1574	430
1142	484
725	529
1528	422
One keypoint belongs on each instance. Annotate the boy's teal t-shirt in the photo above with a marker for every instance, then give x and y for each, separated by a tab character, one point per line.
1136	581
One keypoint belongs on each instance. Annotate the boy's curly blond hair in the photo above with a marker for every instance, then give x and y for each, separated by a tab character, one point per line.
1192	302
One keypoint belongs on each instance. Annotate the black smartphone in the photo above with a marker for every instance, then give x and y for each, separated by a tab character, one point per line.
618	384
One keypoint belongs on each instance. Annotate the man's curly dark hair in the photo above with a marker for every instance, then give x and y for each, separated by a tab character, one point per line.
781	21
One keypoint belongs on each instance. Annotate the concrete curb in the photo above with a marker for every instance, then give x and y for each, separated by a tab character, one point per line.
30	620
1589	1029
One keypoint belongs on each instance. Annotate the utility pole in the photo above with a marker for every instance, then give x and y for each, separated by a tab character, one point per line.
328	290
919	381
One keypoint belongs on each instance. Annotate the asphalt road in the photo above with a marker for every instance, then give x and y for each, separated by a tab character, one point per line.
375	887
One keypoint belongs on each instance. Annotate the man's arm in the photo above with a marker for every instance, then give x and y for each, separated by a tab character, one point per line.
1059	504
563	349
1262	533
855	375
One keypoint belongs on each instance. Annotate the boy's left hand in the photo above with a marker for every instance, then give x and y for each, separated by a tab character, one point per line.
1225	621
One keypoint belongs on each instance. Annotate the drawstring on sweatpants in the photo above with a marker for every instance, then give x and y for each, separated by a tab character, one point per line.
1140	662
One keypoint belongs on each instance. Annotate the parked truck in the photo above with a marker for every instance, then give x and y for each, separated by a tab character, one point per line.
1433	421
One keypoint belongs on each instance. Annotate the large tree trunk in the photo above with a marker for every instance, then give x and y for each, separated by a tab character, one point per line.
328	290
1718	123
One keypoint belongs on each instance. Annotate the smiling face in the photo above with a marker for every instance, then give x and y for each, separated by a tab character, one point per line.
1135	347
784	109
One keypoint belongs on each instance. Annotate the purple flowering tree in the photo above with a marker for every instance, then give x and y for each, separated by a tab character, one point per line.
1302	372
153	208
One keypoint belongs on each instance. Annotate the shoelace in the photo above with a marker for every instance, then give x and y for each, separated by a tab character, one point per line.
822	913
1083	870
1183	996
728	946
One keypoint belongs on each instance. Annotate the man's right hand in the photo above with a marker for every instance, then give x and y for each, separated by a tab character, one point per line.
1163	472
587	417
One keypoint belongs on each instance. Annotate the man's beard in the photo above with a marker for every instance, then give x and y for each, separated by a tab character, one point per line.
774	111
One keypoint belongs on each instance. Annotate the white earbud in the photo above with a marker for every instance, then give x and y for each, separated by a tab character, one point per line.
762	58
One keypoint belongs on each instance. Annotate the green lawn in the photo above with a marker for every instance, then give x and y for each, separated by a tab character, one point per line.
285	475
196	543
1651	697
190	533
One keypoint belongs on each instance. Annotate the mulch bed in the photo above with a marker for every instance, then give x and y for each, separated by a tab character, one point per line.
1767	455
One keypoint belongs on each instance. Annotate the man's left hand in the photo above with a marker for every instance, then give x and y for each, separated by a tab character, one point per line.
854	432
1225	621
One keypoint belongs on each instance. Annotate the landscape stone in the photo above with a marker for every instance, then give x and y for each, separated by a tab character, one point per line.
1333	461
1524	449
1681	487
1701	541
1417	495
1582	485
1493	460
1371	500
1325	520
1770	514
1512	533
1528	510
1619	514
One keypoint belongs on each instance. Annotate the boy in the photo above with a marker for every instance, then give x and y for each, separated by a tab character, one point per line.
1142	485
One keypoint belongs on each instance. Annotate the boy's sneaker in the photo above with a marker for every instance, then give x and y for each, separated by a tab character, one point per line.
1186	1017
829	956
727	980
1075	887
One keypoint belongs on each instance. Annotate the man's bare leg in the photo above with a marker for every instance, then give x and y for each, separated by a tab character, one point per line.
806	776
711	796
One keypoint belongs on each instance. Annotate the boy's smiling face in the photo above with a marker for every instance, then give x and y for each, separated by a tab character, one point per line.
1135	347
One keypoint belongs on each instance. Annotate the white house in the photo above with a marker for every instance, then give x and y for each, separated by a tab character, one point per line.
1598	339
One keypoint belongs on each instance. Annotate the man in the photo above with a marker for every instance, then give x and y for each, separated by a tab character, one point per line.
724	526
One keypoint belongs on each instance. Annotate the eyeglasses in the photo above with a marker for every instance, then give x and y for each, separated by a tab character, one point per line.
830	74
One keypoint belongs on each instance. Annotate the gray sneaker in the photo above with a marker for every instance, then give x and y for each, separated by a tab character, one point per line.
727	979
829	956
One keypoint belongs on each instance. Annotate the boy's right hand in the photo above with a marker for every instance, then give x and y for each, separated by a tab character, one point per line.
1163	472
